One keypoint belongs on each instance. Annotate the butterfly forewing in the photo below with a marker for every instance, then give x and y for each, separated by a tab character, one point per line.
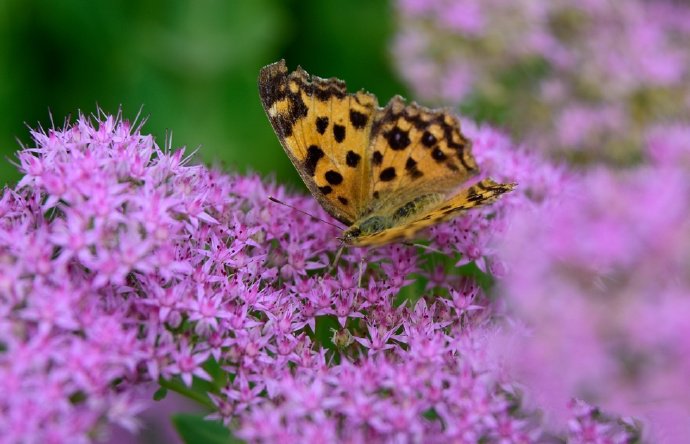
325	131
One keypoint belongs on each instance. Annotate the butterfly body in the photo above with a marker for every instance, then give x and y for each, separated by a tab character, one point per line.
385	172
388	216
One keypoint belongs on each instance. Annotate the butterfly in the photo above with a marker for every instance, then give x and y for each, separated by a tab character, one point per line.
386	173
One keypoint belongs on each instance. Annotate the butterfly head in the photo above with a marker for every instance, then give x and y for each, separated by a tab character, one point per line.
368	226
350	235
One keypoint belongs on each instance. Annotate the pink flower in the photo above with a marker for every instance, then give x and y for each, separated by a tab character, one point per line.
186	362
600	281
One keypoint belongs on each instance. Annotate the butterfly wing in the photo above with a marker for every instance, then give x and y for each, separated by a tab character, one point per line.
362	163
482	193
325	132
417	149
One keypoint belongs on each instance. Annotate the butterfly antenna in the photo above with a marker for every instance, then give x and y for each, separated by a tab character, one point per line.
273	199
362	267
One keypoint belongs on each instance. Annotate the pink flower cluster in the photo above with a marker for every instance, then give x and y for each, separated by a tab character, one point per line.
396	375
101	218
601	283
122	264
575	77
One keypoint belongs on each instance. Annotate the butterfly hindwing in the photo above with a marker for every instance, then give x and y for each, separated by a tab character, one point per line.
325	132
416	148
482	193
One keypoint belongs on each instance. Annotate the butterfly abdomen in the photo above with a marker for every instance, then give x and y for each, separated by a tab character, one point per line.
385	219
414	207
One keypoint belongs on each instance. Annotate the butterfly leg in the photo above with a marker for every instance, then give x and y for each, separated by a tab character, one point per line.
362	267
336	259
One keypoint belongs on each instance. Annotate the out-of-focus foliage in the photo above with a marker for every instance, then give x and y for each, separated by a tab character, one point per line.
190	65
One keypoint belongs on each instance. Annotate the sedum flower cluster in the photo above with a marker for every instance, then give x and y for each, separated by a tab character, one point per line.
122	264
557	313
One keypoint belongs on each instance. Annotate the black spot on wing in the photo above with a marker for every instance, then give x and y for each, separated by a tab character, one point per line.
387	174
377	158
438	155
411	168
325	189
333	177
352	159
397	138
314	154
357	119
450	134
338	133
475	198
428	139
321	124
323	94
343	200
297	109
325	89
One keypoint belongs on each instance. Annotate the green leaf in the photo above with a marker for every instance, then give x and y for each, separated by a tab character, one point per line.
214	369
194	429
324	330
160	394
485	280
198	392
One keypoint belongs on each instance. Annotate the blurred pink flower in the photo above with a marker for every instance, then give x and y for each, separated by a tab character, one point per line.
600	281
582	79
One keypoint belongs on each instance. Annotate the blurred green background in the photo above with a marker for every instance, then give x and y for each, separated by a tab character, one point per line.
190	66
